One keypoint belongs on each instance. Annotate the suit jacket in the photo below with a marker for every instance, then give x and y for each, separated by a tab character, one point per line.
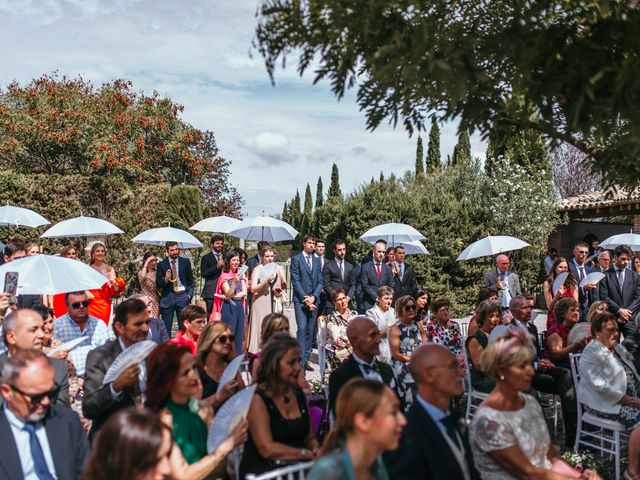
210	271
533	331
60	378
67	441
332	279
306	282
424	453
490	280
628	298
408	285
29	301
184	272
583	296
252	263
97	403
370	283
158	331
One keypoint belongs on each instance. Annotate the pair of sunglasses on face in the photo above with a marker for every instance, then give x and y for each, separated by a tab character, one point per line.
83	304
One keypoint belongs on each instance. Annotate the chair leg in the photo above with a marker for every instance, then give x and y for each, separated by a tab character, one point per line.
616	437
468	407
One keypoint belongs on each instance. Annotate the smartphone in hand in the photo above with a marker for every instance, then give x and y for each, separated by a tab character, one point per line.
11	286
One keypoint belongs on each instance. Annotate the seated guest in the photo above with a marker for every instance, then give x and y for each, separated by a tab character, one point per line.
596	308
488	317
100	401
369	421
40	440
432	445
157	329
279	421
486	293
337	322
442	330
567	314
569	289
364	338
215	351
193	318
404	338
422	302
383	314
78	323
24	329
509	435
609	385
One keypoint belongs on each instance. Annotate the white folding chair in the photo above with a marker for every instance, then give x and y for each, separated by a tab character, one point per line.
472	395
464	328
292	472
604	435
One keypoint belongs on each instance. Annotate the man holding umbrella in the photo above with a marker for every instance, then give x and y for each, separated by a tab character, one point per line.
174	278
507	283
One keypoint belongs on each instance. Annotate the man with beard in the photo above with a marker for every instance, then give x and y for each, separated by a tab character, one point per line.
174	279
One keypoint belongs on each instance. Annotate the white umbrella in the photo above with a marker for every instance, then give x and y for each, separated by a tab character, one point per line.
264	228
21	217
160	236
491	245
81	227
50	275
630	239
413	248
394	234
221	224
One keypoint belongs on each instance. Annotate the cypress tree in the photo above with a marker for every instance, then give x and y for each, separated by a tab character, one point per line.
419	157
433	149
285	212
296	213
307	215
334	186
462	151
319	199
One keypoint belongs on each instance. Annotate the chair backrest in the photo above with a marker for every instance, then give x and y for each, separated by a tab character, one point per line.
467	368
464	328
574	360
290	472
322	331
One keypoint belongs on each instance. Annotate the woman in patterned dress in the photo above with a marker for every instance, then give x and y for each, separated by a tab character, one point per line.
442	330
147	278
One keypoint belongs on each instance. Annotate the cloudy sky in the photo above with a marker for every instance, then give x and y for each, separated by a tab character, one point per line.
198	53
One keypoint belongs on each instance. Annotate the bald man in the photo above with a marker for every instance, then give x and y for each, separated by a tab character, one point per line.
504	281
433	445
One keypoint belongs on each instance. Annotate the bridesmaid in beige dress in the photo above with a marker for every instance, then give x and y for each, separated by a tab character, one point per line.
147	277
267	294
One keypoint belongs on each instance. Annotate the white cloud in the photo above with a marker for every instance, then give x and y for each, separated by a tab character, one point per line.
270	148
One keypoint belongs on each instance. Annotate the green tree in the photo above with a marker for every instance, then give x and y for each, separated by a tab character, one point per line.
334	186
433	149
285	212
419	157
462	150
184	207
319	197
296	212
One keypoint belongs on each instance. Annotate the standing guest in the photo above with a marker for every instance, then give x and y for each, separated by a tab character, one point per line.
632	343
267	294
620	288
488	317
215	351
243	256
549	259
383	314
193	318
389	259
404	337
364	337
32	249
40	440
369	421
157	330
567	314
100	401
174	279
13	250
337	323
569	289
506	283
579	269
100	305
404	278
321	248
231	292
147	279
596	308
70	252
256	260
604	261
306	277
24	330
636	264
442	330
432	444
279	421
422	302
211	266
374	274
338	274
509	434
78	323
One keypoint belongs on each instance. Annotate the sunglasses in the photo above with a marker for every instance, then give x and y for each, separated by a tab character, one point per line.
410	307
36	398
341	299
83	304
225	338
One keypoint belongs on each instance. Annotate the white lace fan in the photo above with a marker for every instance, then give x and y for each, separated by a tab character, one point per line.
230	371
268	270
71	344
592	278
579	332
136	353
231	412
559	281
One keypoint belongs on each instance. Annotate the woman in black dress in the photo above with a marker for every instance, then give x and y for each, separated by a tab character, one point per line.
488	317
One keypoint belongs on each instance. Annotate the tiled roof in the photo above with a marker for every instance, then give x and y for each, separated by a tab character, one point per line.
600	199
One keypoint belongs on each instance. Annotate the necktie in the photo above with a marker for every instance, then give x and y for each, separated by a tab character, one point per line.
42	470
401	271
450	425
581	275
308	261
621	278
174	274
341	266
378	270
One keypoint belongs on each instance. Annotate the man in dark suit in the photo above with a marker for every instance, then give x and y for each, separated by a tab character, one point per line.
306	278
620	288
131	324
24	329
506	283
338	274
39	439
174	278
211	266
364	337
157	329
374	274
433	445
404	277
580	269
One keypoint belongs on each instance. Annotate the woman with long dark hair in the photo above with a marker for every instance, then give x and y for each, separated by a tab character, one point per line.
569	289
147	279
231	293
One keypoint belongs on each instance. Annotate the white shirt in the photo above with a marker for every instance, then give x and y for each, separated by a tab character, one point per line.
21	437
321	258
372	374
65	330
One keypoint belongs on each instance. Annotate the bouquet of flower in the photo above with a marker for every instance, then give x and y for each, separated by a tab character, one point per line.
583	461
316	387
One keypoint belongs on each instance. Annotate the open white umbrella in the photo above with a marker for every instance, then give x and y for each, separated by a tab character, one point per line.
160	236
81	227
413	248
630	239
264	228
50	275
21	217
394	234
221	224
491	245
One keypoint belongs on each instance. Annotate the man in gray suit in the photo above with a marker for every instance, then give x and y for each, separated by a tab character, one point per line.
620	288
24	329
505	282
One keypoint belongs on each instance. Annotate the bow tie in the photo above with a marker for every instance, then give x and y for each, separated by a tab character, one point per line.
374	367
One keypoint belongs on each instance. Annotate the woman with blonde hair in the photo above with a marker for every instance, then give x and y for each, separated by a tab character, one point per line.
596	308
100	305
369	421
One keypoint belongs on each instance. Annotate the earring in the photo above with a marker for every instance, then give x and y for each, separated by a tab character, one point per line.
501	377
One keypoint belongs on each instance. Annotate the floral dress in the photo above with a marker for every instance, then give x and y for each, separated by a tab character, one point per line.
409	340
448	336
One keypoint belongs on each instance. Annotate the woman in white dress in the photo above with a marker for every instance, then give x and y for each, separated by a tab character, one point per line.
384	316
